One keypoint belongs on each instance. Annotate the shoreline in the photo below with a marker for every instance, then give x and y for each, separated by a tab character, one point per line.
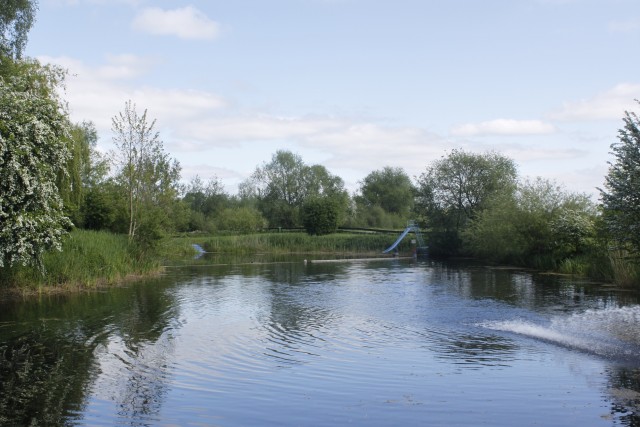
93	261
72	288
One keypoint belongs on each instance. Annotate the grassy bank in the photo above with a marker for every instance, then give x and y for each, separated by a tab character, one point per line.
94	258
281	243
91	258
612	266
88	259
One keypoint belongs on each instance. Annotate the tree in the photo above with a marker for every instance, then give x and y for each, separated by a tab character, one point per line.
282	185
455	189
99	210
540	219
385	199
389	188
16	19
33	131
85	169
621	195
204	203
241	220
148	176
280	188
95	166
463	182
574	231
322	184
208	199
320	215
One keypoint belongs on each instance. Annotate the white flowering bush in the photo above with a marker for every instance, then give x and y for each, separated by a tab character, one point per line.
33	126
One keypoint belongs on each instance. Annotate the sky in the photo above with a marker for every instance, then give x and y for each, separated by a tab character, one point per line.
355	85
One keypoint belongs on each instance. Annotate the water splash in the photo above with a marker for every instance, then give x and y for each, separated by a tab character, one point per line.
609	332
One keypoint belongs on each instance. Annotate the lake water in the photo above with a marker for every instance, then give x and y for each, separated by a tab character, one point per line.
284	342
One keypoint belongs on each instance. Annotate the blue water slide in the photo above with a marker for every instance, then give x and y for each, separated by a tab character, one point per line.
397	242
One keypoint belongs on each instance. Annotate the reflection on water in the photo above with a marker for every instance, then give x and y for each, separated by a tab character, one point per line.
50	349
283	342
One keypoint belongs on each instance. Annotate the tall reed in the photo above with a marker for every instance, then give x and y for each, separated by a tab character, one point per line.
88	258
626	271
301	243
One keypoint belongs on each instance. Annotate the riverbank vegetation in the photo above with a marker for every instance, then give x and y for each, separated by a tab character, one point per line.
87	259
71	214
300	242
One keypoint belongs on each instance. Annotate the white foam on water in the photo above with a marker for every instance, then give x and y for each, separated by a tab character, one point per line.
609	332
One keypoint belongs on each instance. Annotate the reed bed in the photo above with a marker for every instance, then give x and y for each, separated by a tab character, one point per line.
279	243
92	258
626	270
88	258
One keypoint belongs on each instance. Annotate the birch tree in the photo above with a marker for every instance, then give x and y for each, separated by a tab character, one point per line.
147	174
16	19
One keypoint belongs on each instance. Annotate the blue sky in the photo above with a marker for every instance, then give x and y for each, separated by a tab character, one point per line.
355	85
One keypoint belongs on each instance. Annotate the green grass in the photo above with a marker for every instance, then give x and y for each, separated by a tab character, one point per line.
92	258
88	258
280	243
626	270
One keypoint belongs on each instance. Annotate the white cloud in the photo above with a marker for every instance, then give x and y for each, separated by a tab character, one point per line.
185	23
503	127
208	137
205	172
524	154
610	104
124	66
230	130
98	93
347	145
364	146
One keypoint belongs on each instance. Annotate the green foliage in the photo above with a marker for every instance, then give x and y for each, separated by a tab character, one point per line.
456	189
375	217
88	258
209	199
241	220
320	183
84	169
147	175
283	243
99	211
389	188
282	186
495	234
621	196
540	225
573	230
16	19
320	216
33	131
625	268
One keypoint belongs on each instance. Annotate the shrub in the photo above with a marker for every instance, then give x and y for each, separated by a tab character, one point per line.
241	220
320	216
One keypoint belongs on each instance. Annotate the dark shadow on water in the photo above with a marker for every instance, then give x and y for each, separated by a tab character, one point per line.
48	352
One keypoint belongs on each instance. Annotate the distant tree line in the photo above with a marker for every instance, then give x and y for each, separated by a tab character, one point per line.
53	178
